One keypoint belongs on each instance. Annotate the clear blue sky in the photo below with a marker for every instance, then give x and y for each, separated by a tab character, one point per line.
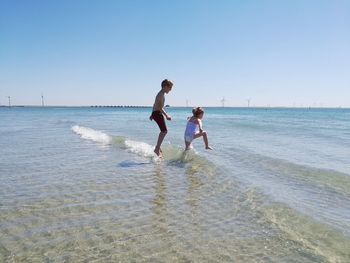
85	52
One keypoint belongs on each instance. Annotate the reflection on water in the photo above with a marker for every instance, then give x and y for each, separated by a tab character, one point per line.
194	183
159	201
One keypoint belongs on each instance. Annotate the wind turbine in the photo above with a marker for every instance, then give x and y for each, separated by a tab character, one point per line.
42	100
223	102
248	102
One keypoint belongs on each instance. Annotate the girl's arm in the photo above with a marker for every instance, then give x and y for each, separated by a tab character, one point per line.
200	125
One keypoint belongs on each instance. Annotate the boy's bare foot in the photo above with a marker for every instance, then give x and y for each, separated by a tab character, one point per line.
158	153
208	148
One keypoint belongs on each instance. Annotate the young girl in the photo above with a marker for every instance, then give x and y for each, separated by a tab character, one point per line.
190	132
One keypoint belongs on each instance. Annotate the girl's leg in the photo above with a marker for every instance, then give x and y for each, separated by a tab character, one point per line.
188	145
205	138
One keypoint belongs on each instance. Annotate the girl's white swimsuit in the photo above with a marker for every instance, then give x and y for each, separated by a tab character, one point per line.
190	131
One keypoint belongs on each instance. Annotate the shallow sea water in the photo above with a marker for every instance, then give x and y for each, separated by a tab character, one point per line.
82	185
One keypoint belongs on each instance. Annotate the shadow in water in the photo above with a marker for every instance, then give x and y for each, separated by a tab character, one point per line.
131	163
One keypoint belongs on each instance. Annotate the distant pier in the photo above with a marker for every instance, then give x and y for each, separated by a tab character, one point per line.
118	106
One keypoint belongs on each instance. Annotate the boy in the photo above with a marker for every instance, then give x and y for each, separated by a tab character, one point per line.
158	113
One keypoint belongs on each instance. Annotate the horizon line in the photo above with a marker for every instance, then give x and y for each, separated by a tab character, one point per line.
149	106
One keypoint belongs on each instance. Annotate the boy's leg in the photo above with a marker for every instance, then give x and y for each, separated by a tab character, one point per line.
161	136
159	118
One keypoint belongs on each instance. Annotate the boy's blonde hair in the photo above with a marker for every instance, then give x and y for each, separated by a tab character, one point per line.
197	111
166	83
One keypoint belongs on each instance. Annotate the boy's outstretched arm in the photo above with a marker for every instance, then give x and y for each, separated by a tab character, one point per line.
168	117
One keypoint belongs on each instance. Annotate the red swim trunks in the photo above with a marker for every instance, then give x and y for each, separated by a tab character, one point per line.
159	118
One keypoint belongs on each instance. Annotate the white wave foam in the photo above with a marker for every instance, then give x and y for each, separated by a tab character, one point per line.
91	134
140	148
172	154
